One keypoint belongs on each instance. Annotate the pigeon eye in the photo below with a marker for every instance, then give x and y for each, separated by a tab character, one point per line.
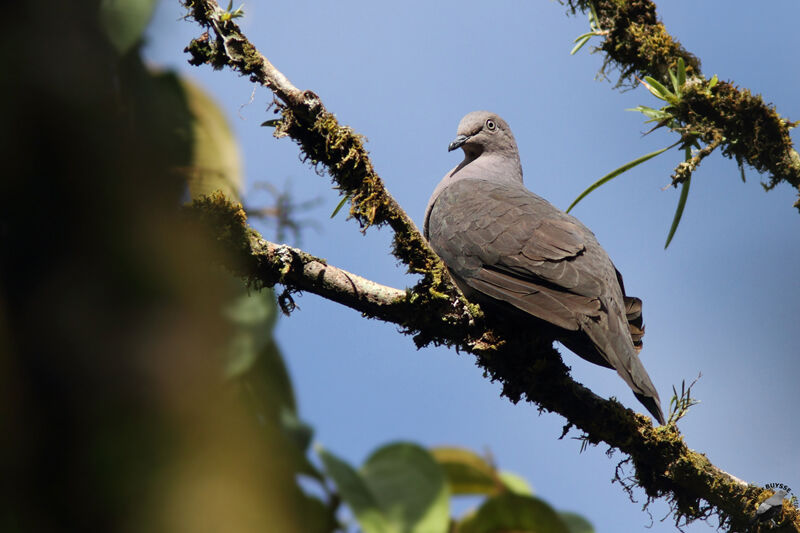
490	125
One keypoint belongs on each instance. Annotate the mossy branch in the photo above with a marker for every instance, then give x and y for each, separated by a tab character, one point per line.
434	311
323	141
638	45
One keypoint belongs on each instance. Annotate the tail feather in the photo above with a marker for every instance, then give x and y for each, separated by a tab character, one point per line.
611	341
633	312
651	405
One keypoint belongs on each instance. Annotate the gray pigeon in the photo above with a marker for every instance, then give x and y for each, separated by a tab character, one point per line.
523	259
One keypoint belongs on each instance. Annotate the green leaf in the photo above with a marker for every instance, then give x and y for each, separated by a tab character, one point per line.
268	391
658	90
271	123
267	384
652	114
340	205
317	516
679	211
466	471
228	14
681	72
409	486
583	36
713	81
252	316
576	523
516	483
593	18
674	78
298	431
582	40
298	436
681	201
354	491
613	174
513	512
124	21
216	162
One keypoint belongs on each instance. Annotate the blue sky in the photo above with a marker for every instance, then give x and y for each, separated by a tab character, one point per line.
724	300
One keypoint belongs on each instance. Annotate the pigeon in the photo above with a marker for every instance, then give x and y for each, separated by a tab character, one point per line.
523	259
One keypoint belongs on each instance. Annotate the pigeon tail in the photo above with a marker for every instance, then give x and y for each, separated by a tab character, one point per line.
652	405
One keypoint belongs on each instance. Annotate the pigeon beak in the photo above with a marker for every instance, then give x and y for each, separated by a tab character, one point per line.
457	142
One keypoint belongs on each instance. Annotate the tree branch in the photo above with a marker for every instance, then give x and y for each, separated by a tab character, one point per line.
638	45
434	310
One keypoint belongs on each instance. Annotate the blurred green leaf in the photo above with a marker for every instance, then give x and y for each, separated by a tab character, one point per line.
161	113
466	471
354	491
298	436
576	523
516	483
253	316
681	72
410	486
124	21
216	162
317	516
614	173
298	431
267	383
267	389
469	473
593	18
513	512
713	81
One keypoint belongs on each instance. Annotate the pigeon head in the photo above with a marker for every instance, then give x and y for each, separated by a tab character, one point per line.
483	132
490	150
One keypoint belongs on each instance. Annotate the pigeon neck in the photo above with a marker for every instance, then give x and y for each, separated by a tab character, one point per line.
500	167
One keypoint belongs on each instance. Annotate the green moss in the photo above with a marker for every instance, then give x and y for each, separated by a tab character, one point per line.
228	217
204	51
226	221
637	44
252	61
754	130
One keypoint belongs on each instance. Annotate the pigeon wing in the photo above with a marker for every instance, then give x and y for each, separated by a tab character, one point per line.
507	243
